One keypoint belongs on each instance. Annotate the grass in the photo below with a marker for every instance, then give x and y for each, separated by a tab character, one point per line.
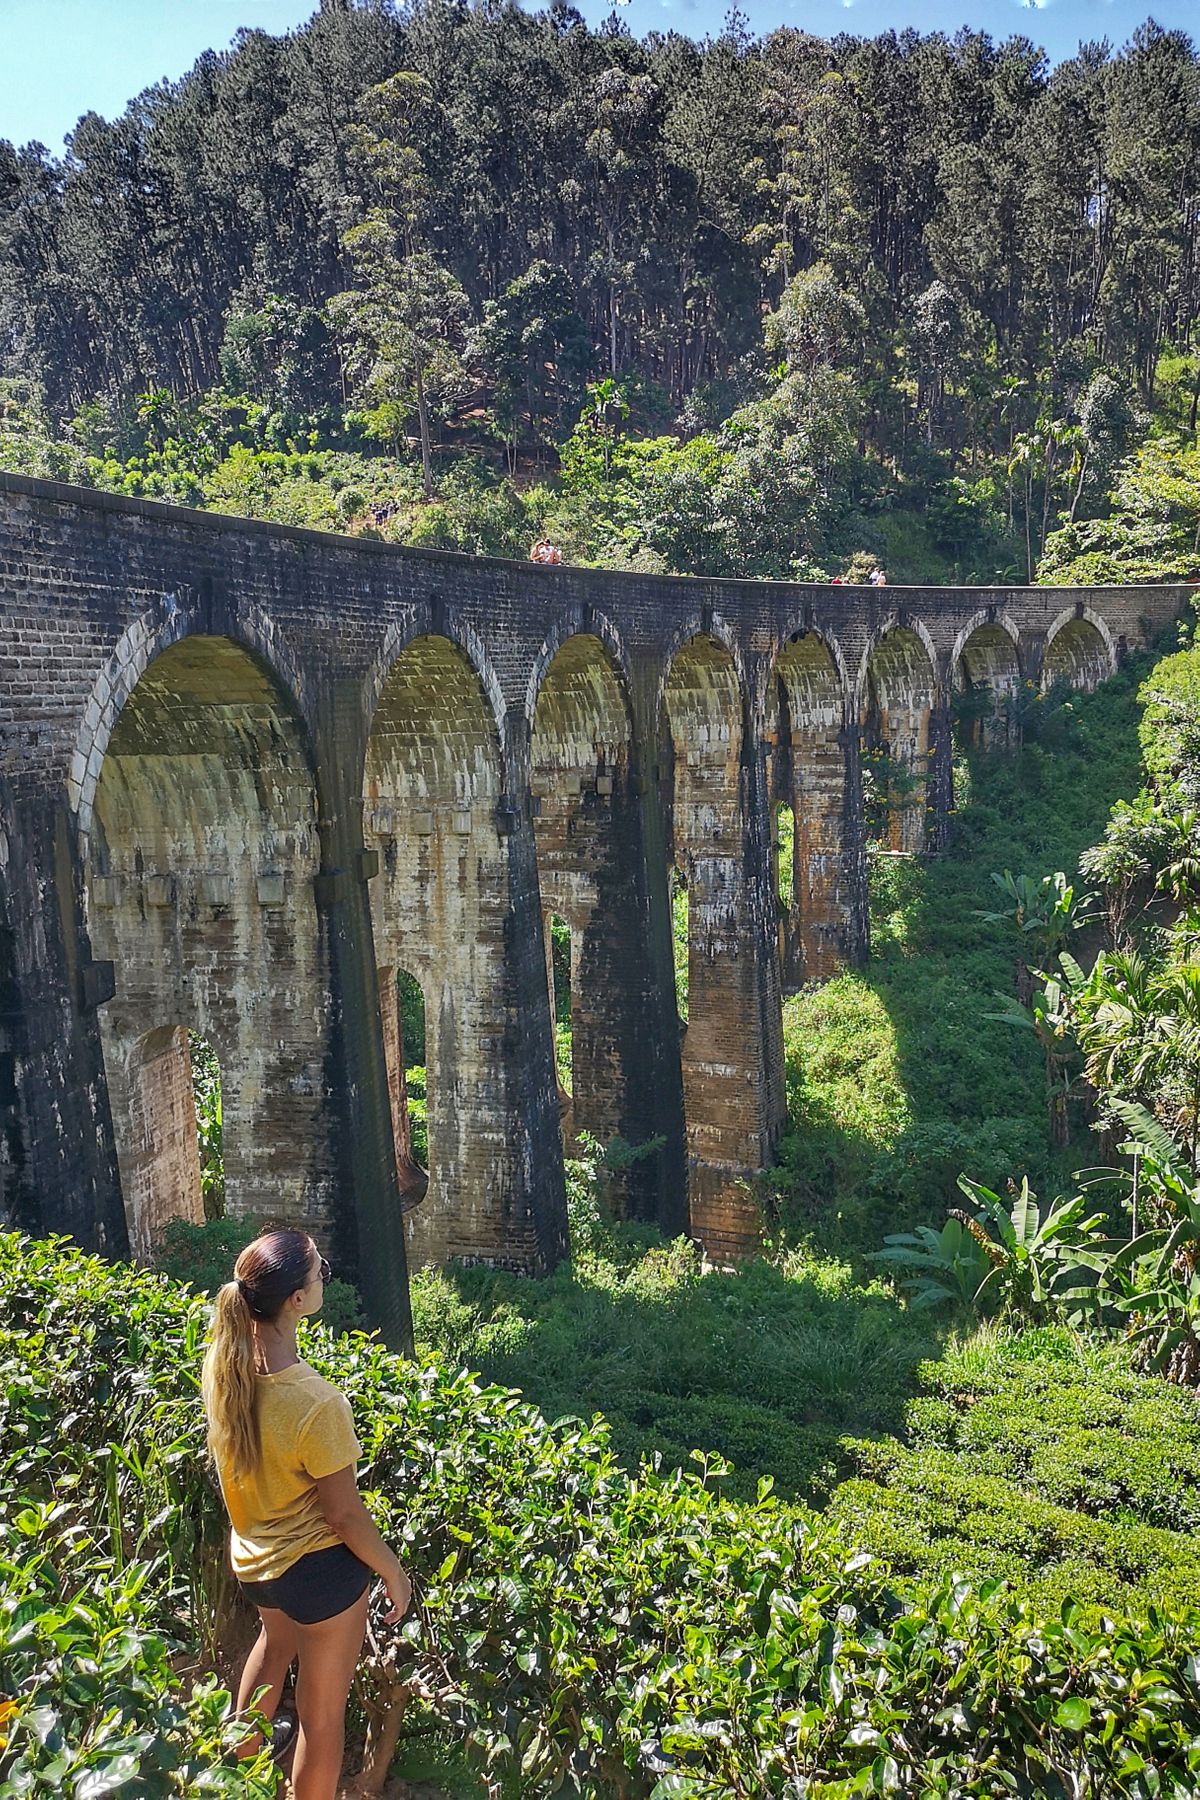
897	1078
1026	1454
1029	1455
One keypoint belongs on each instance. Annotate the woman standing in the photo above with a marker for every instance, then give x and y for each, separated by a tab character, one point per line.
303	1545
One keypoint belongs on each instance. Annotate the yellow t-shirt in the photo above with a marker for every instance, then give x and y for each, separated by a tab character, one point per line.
307	1432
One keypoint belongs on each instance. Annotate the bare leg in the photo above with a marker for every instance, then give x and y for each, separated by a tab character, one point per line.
328	1654
271	1656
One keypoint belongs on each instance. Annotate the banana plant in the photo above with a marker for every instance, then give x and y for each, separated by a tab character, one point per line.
946	1266
1046	914
1050	1015
1036	1250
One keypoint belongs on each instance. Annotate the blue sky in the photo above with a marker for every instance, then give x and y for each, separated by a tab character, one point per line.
62	58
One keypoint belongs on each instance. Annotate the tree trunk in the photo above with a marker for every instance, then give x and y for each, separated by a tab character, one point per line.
1028	538
423	419
383	1734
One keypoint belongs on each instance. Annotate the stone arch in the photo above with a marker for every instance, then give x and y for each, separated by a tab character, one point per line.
902	650
436	719
199	863
812	673
985	673
703	698
591	875
717	631
987	616
581	709
897	693
466	641
829	654
1079	650
432	784
167	622
597	626
815	926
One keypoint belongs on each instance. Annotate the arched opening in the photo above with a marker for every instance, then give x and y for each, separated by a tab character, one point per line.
987	681
402	1015
559	982
783	848
591	878
209	1113
199	869
440	909
731	1051
896	734
680	942
1077	654
816	927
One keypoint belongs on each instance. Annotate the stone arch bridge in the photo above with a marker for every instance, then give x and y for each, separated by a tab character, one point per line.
249	775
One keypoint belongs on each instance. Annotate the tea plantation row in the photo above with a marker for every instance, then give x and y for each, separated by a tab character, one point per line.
585	1630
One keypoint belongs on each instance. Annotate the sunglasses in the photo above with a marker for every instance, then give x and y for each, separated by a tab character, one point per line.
324	1271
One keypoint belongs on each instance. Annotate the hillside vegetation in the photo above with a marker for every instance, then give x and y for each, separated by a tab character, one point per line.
908	1503
997	1431
771	306
578	1629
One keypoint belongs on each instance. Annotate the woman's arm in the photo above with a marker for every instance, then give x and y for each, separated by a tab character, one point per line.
344	1513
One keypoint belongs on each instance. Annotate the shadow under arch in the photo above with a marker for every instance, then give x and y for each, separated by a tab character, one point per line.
442	909
198	883
1079	650
819	923
896	694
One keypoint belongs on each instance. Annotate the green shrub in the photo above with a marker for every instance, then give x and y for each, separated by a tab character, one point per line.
1170	728
204	1255
90	1700
582	1630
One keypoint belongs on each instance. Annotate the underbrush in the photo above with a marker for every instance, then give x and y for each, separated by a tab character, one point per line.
580	1630
898	1080
1038	1455
771	1365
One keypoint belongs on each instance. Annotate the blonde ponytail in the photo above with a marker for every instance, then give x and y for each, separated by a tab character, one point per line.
268	1270
227	1384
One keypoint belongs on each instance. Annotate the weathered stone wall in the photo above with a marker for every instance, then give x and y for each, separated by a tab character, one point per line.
199	870
244	769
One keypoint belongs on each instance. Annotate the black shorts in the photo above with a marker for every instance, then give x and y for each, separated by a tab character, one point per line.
318	1587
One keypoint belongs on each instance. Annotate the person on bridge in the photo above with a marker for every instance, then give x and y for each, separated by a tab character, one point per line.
303	1545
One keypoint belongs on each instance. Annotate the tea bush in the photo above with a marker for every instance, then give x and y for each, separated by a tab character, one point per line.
582	1629
1042	1457
92	1703
94	1609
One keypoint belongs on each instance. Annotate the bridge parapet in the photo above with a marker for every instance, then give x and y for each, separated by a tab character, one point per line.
246	768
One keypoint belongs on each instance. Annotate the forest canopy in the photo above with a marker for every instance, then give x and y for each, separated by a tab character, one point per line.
914	296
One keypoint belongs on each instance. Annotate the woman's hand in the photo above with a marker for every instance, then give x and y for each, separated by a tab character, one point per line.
399	1592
